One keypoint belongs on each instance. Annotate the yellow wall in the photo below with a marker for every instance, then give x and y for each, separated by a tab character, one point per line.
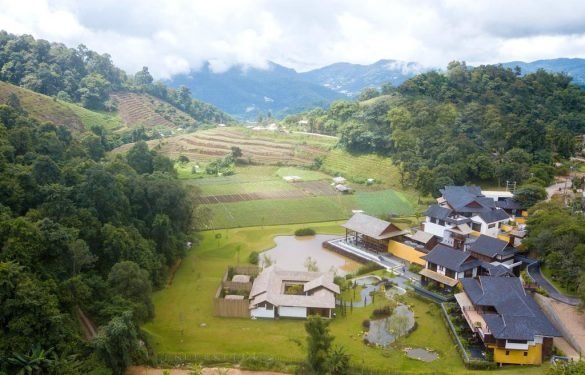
406	252
517	357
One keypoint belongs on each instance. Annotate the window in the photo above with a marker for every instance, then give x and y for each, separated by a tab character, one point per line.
442	223
433	220
269	307
492	225
525	354
507	352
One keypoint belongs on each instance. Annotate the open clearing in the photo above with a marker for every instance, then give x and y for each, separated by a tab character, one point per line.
184	306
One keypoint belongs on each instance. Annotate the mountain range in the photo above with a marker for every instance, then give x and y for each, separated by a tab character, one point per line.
246	92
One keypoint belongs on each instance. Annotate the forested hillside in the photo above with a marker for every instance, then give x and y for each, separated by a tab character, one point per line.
81	236
86	77
487	123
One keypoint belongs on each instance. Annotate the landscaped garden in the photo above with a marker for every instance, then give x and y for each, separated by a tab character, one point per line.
184	321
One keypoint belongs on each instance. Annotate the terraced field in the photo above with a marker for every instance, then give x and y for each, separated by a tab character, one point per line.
145	110
259	149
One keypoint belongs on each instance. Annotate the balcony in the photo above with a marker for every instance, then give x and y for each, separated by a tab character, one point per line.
472	316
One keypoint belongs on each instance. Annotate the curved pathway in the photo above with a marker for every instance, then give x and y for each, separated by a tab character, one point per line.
533	270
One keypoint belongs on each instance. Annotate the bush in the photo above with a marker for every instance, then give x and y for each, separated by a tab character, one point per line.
305	232
366	324
382	312
367	268
415	268
253	258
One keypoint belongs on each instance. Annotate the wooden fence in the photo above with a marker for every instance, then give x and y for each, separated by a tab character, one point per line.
233	308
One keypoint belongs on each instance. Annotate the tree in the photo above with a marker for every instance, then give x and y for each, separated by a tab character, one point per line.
338	361
130	281
117	343
311	265
368	93
318	343
567	368
140	158
529	195
236	152
94	91
143	77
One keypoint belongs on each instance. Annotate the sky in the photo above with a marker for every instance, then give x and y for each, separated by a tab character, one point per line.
176	36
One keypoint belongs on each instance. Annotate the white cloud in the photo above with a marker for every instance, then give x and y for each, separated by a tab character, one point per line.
176	36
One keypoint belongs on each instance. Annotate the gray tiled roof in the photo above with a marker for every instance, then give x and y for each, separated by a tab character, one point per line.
509	204
494	215
517	316
491	246
455	260
459	197
438	212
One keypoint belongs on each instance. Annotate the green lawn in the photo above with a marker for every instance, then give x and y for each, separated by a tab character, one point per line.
183	307
385	201
305	174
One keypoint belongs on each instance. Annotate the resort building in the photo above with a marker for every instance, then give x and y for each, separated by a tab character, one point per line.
508	321
488	256
370	233
466	206
277	293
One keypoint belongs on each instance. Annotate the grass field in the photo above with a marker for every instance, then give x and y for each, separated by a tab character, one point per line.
109	121
305	174
279	211
182	308
546	273
362	167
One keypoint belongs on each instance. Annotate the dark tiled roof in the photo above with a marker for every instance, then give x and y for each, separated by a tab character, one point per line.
462	199
490	246
517	316
509	204
450	258
438	212
498	270
494	215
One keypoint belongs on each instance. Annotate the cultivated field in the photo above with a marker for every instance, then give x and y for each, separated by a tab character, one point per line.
257	195
146	110
184	321
257	148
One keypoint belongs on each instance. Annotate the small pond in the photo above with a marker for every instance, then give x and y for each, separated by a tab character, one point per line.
291	253
384	332
421	354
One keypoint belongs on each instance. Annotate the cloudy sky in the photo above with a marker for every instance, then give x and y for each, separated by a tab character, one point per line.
174	36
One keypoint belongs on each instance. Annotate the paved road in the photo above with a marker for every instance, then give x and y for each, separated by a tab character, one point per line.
558	188
534	272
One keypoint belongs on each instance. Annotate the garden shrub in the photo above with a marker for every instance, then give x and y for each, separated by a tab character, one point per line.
305	232
254	257
367	268
415	268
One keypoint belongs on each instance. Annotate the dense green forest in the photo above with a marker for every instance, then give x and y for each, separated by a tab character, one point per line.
557	236
81	235
467	124
83	76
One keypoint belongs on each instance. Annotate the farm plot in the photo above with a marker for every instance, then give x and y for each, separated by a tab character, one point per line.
361	167
145	110
211	144
213	199
304	174
316	188
278	211
381	203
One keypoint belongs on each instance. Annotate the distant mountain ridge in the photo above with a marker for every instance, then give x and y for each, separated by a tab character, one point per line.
247	92
574	67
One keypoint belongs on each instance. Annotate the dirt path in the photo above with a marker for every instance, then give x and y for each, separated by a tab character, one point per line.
86	324
142	370
573	319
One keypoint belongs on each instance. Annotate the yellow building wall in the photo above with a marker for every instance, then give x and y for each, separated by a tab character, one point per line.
517	357
406	252
504	237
